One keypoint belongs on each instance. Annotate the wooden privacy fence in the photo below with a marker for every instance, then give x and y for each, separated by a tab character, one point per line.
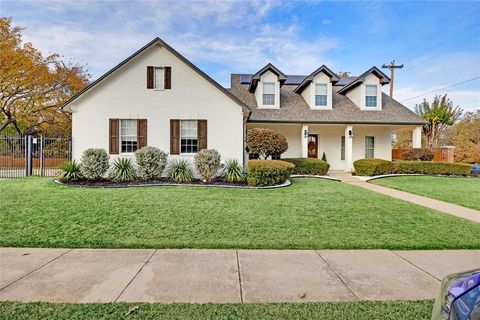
28	155
443	154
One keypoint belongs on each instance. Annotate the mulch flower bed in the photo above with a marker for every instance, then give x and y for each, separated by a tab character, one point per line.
118	184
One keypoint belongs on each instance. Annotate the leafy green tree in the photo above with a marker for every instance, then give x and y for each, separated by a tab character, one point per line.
440	115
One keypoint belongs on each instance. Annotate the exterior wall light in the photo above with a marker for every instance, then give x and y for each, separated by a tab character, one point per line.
351	134
305	133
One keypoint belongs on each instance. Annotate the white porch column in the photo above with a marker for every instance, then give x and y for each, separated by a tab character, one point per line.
417	137
348	149
304	141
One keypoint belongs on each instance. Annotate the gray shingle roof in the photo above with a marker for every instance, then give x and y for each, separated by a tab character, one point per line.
295	109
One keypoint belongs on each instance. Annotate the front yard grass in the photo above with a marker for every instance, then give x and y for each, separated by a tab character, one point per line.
310	214
461	191
363	310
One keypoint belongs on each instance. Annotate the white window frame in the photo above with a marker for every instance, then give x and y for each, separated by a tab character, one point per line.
269	94
159	84
188	137
318	95
122	136
367	96
369	149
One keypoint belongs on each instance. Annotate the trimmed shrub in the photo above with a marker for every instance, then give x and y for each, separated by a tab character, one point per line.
309	166
372	167
122	170
180	171
268	172
70	171
265	142
94	163
151	162
233	172
422	154
207	163
431	168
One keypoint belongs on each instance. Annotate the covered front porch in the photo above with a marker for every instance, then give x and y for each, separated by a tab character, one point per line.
341	143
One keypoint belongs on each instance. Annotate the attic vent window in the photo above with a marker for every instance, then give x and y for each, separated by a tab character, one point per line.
370	96
269	94
320	95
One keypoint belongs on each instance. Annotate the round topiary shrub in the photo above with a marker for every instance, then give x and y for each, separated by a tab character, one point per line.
372	167
207	163
151	162
311	166
268	172
265	142
422	154
94	163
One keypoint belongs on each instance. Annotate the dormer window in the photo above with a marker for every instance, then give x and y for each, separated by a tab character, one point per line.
268	94
321	92
370	95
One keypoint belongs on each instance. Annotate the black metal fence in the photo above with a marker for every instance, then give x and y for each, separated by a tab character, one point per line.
22	156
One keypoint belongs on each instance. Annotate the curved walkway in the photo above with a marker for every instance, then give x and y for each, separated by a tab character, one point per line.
225	276
445	207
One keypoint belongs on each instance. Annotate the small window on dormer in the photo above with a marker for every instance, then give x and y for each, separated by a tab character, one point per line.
321	95
269	94
370	95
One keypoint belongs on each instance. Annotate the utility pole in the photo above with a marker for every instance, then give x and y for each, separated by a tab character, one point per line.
392	67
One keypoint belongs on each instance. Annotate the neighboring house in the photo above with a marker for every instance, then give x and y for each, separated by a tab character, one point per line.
157	97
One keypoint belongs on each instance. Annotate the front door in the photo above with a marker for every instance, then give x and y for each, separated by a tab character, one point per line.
313	145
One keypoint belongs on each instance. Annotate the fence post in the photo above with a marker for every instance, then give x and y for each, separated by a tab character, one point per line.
41	157
29	154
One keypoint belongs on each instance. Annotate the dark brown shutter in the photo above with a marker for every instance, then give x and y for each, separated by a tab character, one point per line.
149	77
202	134
141	133
168	77
174	136
113	132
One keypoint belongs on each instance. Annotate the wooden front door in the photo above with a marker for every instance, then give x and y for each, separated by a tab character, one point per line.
312	146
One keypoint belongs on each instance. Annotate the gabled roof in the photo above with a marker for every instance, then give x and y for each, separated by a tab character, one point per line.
162	43
269	67
384	79
333	76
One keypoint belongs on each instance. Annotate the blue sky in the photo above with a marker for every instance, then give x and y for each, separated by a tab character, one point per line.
439	42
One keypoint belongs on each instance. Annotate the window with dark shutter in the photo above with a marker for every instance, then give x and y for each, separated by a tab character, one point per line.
168	77
113	139
174	136
149	77
202	134
141	133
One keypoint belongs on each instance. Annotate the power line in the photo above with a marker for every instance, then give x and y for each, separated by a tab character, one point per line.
450	86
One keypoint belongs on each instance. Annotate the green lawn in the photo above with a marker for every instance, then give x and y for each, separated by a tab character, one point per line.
405	310
461	191
312	213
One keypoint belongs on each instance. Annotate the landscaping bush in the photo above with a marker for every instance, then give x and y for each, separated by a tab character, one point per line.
265	142
309	166
372	167
431	168
94	163
70	171
123	170
207	163
150	163
268	172
234	171
422	154
180	171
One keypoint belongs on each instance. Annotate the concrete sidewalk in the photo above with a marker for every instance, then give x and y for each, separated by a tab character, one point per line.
445	207
223	276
